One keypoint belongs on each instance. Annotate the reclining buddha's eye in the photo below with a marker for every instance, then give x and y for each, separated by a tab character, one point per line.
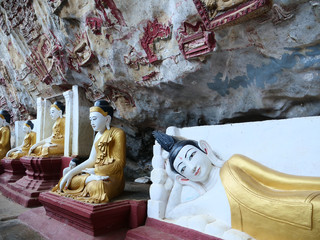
182	169
191	155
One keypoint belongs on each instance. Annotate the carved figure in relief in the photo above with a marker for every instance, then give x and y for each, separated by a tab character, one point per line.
241	192
53	145
4	133
99	178
216	6
28	141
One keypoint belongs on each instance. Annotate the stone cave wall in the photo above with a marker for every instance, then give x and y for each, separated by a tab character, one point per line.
131	53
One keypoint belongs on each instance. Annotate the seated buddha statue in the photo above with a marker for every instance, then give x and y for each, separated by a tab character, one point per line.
28	141
4	133
53	145
99	178
248	196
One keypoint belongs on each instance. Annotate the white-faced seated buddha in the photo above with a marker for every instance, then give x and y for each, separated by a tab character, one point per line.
243	193
53	145
99	178
28	141
4	133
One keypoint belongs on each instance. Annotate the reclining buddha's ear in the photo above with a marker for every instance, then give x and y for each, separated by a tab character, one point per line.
213	156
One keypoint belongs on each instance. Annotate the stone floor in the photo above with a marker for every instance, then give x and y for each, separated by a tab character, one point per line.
12	229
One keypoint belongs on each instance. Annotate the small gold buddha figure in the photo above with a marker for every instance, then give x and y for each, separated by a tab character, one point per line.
28	141
4	133
99	178
53	145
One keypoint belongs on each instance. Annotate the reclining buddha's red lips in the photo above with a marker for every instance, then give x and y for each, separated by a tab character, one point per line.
197	172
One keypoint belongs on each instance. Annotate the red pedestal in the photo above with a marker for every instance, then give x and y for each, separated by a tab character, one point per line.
94	219
159	230
13	170
41	175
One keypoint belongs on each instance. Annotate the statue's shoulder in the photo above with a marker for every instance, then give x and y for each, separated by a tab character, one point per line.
5	129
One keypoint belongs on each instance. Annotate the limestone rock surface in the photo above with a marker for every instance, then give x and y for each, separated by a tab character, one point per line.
127	52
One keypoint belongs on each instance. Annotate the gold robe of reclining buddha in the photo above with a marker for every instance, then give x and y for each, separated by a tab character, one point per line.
270	205
110	161
4	141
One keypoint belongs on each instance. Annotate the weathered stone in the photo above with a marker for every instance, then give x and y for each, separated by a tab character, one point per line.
262	68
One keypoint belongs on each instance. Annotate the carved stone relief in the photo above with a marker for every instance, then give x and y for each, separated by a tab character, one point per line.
21	15
81	55
152	32
218	13
195	41
46	57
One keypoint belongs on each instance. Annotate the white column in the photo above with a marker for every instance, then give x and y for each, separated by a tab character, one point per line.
39	128
75	120
68	96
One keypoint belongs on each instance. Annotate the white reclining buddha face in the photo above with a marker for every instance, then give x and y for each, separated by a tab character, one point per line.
192	163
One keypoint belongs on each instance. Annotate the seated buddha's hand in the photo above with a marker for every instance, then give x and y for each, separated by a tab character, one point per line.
65	181
94	177
89	170
49	144
33	147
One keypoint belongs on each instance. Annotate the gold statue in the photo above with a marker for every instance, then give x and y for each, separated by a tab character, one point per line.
216	6
53	145
100	177
4	133
261	202
28	141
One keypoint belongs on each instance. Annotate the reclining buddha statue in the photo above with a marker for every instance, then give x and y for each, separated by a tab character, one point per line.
28	141
99	178
4	133
53	145
244	194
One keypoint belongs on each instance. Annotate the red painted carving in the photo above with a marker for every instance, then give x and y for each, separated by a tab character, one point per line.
21	15
102	4
3	101
135	59
3	82
150	76
242	12
102	17
95	24
153	31
195	41
47	56
81	55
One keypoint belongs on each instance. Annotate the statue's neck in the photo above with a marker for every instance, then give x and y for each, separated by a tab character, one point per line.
212	179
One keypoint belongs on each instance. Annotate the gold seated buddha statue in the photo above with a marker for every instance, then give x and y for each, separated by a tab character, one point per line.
5	144
28	141
99	178
53	145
